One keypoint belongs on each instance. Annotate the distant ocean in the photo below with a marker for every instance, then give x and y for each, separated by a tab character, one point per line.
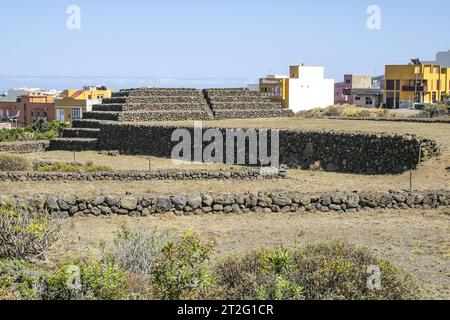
60	83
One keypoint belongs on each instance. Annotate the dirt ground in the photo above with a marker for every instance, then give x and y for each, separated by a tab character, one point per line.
416	240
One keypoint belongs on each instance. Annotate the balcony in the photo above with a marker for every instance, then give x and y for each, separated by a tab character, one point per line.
415	88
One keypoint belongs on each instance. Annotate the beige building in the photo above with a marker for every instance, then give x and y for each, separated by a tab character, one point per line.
72	103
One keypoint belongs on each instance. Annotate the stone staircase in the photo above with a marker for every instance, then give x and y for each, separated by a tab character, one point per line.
82	136
242	103
152	104
160	104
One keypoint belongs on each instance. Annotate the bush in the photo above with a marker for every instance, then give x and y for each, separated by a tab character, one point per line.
432	110
315	272
18	281
136	252
25	234
40	125
181	269
10	162
66	167
86	280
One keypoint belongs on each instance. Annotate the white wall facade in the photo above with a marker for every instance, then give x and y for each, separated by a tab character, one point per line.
13	94
311	90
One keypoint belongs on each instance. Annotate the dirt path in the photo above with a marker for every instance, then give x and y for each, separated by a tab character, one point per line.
416	240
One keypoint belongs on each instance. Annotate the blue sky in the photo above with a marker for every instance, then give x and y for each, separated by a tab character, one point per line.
217	40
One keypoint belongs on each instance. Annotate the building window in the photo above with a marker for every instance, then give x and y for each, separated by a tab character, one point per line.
348	81
390	84
76	113
368	101
357	98
60	115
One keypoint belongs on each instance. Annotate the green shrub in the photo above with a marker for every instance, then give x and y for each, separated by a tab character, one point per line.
86	280
18	281
315	272
39	130
26	234
181	270
66	167
40	125
10	162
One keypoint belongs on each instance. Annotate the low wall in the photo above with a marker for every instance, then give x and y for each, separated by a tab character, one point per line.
23	147
250	174
236	203
354	152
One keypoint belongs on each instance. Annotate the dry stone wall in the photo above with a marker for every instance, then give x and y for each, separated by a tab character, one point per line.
231	203
355	152
23	147
248	174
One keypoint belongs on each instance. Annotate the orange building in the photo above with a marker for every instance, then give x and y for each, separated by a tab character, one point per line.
28	108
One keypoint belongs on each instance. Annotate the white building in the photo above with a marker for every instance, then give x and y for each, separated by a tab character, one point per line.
305	88
308	88
13	94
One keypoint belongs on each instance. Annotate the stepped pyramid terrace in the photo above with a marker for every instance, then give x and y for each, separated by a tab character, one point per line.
161	104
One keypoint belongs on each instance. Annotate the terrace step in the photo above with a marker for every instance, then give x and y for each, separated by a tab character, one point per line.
265	105
81	133
113	107
157	92
155	99
73	144
161	115
252	114
85	123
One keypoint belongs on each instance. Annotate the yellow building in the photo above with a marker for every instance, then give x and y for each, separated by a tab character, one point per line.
406	85
72	103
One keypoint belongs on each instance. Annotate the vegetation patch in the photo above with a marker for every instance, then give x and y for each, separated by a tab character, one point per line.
346	111
316	272
39	130
149	265
9	162
26	234
67	167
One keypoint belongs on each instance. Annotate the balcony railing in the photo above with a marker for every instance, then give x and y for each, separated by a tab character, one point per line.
415	88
